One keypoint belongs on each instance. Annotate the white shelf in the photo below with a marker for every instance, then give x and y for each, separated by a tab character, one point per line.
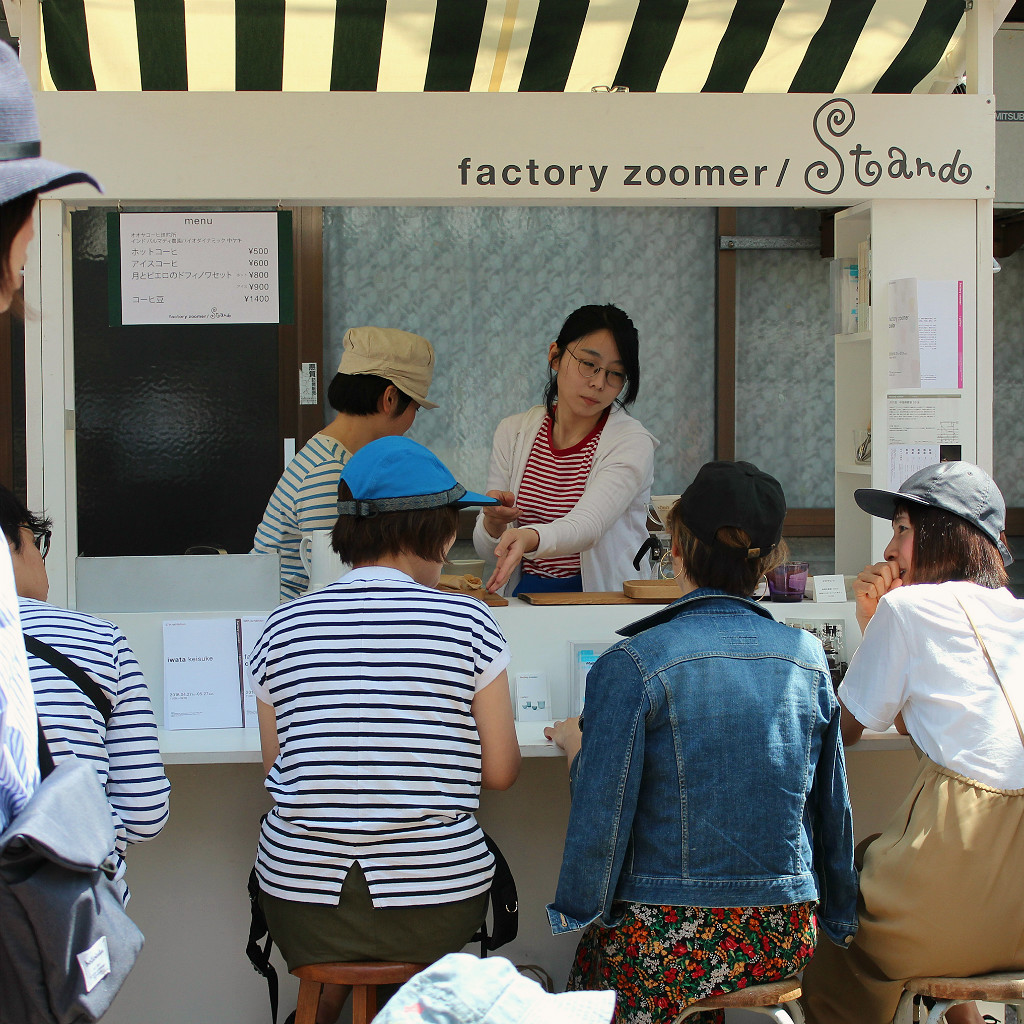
242	746
849	339
854	468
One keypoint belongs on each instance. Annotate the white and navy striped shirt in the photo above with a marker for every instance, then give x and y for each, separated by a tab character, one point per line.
125	753
305	499
372	681
19	764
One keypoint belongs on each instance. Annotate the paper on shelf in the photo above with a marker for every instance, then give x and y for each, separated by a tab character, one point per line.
202	688
926	334
923	430
250	628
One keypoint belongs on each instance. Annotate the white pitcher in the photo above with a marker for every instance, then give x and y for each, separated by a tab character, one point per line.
321	563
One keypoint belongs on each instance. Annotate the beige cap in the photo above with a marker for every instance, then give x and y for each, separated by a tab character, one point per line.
405	359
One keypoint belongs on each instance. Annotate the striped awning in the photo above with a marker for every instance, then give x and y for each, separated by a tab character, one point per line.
676	46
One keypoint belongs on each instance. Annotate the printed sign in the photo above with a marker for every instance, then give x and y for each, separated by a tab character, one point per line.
199	268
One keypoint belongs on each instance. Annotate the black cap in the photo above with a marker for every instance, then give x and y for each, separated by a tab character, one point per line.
734	494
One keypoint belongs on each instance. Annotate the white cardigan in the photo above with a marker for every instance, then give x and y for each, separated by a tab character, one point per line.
609	522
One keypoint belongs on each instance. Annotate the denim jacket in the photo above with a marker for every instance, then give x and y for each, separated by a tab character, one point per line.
711	772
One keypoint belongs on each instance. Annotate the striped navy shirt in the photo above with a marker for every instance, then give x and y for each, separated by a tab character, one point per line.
305	499
125	753
372	681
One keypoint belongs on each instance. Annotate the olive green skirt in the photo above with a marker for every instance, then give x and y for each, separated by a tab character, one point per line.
313	933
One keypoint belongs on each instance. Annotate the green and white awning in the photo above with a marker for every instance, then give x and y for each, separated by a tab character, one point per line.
758	46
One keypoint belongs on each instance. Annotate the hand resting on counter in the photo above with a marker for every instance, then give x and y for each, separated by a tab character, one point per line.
566	734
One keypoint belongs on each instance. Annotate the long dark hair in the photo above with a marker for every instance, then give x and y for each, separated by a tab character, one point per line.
586	320
947	547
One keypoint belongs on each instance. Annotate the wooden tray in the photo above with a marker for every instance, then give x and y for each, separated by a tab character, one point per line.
651	591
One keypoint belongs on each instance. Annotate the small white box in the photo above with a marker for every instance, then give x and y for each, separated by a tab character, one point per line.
533	698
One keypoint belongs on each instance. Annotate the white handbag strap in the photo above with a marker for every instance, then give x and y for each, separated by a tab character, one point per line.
991	665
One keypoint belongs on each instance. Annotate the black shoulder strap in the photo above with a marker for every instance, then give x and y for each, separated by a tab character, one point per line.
504	901
260	958
77	675
45	757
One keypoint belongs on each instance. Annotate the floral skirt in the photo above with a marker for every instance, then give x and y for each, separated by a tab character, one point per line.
662	959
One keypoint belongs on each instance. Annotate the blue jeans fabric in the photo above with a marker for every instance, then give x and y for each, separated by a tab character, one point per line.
711	772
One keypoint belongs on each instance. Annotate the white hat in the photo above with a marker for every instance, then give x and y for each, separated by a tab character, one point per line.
460	989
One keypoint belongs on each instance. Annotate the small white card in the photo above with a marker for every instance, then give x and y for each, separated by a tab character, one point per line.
94	963
533	699
829	589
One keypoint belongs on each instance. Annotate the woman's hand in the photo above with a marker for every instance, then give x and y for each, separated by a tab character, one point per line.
871	585
512	545
567	736
498	517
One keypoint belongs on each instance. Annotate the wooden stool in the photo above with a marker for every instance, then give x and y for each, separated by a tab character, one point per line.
775	999
363	979
1007	989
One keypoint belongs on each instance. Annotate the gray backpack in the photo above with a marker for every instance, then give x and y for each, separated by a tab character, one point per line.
66	941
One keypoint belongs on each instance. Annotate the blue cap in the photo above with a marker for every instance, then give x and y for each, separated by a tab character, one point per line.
460	989
395	474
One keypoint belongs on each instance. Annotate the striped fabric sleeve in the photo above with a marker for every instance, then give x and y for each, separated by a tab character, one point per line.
305	499
137	785
19	765
125	754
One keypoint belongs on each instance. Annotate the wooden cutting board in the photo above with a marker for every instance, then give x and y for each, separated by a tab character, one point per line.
489	599
651	591
633	592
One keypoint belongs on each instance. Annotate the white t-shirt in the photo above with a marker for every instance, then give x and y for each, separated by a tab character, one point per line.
920	656
372	680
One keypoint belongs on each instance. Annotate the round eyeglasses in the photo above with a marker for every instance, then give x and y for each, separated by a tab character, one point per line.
41	538
613	378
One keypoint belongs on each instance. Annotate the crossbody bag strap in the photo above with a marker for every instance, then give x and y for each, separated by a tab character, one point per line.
75	673
995	672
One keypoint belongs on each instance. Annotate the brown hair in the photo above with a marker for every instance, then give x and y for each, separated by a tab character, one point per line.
425	533
947	547
722	569
13	215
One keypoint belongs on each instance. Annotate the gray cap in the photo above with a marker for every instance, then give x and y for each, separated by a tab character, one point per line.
961	488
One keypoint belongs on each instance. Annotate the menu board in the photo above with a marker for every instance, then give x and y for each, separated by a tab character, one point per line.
198	267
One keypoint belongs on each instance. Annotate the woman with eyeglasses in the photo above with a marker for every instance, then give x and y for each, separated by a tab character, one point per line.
573	476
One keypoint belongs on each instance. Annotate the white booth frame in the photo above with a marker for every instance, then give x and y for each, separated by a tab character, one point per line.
297	149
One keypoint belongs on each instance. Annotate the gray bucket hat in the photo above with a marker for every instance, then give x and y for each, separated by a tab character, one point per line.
961	488
22	167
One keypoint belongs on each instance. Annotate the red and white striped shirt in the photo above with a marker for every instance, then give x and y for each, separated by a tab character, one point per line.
553	482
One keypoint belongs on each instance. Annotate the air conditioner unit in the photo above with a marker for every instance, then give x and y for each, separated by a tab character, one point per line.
1008	74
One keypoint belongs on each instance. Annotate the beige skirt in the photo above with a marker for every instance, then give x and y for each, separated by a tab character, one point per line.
941	893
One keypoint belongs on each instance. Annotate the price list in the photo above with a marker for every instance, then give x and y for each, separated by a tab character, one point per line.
198	268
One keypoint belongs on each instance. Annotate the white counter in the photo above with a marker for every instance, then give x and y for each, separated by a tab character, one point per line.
538	637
